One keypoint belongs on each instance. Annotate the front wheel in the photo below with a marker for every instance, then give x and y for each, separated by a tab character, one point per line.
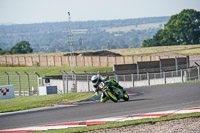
125	97
111	96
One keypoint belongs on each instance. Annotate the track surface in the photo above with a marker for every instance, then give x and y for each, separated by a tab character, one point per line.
142	100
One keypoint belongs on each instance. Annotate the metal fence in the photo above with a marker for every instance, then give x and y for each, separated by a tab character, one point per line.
182	75
25	84
74	82
82	82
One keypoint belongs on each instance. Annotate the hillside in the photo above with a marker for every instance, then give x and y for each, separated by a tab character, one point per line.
87	35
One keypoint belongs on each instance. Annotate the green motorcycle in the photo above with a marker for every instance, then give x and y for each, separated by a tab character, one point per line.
113	94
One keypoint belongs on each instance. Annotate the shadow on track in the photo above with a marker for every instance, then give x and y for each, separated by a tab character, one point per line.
133	100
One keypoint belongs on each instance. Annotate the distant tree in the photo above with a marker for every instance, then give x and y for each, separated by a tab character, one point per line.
22	47
3	52
181	29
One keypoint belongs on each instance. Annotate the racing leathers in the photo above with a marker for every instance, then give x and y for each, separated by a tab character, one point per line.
113	83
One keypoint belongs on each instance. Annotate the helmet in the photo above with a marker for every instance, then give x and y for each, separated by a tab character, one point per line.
95	79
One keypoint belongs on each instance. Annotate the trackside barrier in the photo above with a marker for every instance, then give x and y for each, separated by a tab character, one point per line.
73	83
84	84
27	84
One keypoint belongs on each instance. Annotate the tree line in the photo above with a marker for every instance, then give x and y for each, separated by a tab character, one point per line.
181	29
22	47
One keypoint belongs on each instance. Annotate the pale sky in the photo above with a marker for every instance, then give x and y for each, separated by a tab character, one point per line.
37	11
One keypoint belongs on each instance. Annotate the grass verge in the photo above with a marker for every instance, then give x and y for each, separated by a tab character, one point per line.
47	71
29	102
122	124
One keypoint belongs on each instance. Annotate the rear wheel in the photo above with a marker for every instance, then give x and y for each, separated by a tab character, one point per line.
111	96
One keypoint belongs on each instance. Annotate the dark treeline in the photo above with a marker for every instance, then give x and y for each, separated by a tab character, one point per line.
53	37
181	29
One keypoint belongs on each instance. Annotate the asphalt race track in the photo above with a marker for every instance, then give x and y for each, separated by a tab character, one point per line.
142	100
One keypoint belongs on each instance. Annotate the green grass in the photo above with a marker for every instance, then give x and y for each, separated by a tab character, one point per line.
29	102
47	71
42	71
14	80
123	124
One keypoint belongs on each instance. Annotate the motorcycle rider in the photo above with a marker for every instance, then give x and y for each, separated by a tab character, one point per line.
97	79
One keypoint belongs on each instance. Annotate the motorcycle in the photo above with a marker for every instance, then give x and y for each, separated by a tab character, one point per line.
111	93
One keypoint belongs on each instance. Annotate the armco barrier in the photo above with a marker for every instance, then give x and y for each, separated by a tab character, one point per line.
7	92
